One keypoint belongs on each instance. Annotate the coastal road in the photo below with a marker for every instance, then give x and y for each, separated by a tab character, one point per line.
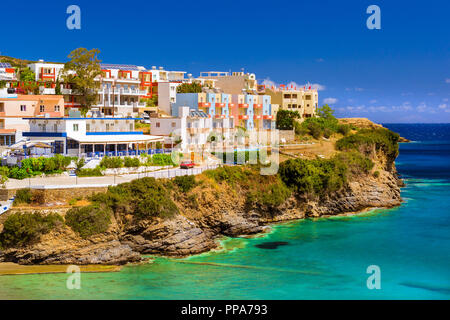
66	181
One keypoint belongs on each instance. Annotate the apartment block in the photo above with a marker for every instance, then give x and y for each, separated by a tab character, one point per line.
195	128
247	111
303	100
234	82
13	111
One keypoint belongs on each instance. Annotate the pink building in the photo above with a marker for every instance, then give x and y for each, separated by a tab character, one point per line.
13	110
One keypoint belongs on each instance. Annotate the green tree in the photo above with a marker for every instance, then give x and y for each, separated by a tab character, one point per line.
194	87
81	71
286	118
326	112
27	75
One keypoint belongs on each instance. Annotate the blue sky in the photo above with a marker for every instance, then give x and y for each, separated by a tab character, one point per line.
400	73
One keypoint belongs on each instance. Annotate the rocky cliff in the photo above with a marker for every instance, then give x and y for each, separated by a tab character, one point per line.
209	211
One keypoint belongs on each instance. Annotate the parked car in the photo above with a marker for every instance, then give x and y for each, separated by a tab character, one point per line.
187	164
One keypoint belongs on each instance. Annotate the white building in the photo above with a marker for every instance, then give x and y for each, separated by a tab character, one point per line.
120	90
194	128
45	71
167	95
89	136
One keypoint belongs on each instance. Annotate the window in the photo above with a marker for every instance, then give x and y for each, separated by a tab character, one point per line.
41	108
75	127
158	124
57	108
55	127
23	107
88	127
173	124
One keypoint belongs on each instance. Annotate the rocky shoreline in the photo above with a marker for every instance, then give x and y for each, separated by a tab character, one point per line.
196	230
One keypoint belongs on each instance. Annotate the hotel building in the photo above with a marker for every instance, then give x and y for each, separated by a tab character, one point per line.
79	136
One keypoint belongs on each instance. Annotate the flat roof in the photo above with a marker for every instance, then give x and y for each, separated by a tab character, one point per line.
111	139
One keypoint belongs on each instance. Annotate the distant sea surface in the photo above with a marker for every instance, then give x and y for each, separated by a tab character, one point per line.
323	258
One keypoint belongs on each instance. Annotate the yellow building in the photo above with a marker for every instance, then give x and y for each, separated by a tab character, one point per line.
305	101
234	82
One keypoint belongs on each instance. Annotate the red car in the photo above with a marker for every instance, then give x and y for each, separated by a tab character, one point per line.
187	164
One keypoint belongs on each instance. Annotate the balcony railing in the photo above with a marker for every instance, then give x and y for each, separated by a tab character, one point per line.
258	105
66	91
267	117
243	105
204	104
243	116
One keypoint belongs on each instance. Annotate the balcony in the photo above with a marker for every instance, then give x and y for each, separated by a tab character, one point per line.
257	105
257	117
66	91
268	117
46	90
192	130
243	116
243	105
220	105
231	105
204	104
219	116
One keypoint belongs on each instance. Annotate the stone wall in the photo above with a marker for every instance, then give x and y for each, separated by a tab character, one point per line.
55	195
288	135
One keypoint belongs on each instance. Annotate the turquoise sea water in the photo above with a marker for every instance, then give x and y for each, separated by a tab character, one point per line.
310	259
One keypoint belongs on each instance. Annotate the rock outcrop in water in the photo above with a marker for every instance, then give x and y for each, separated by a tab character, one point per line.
217	212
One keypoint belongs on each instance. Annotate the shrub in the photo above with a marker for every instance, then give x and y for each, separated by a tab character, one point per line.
38	196
356	162
132	162
143	198
96	172
161	160
112	162
286	118
4	173
185	183
229	174
314	129
89	220
376	174
20	229
362	141
344	129
299	129
327	133
18	173
271	195
313	176
23	196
